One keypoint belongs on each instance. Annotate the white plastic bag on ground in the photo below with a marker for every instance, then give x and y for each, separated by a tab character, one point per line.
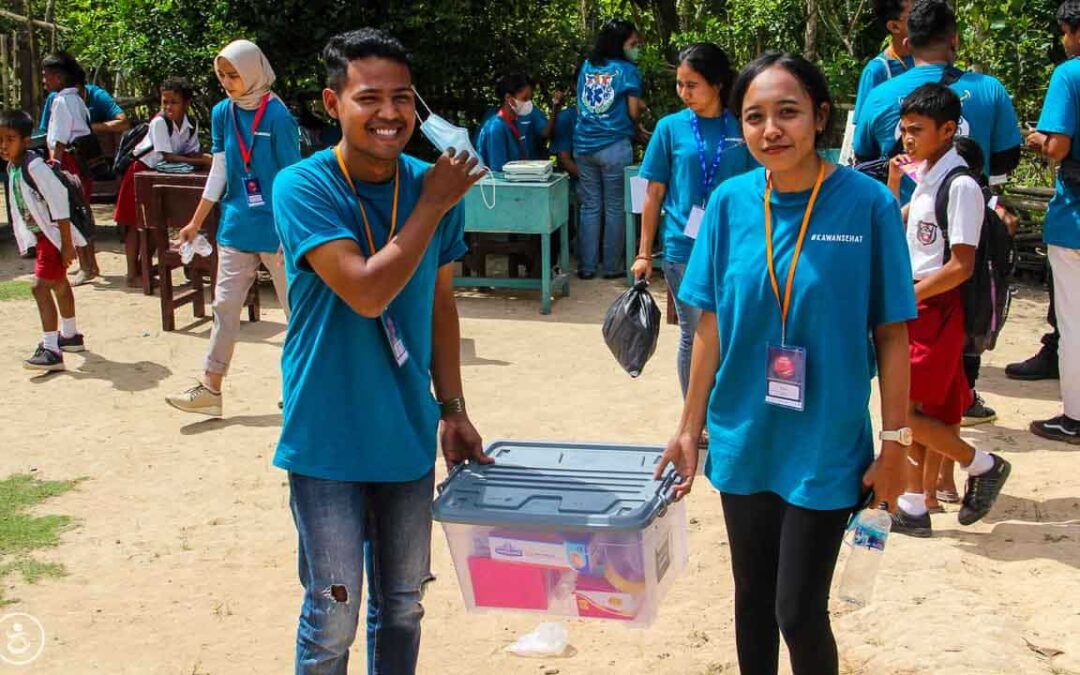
549	639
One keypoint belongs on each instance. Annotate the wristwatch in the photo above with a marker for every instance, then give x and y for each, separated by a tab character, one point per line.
901	436
452	406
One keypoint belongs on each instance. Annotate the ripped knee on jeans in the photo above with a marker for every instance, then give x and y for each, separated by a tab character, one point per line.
337	592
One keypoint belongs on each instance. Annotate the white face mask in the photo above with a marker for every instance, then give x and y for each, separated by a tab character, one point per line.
523	108
444	135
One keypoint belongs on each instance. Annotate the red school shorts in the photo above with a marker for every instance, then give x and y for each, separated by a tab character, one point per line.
126	215
49	265
936	344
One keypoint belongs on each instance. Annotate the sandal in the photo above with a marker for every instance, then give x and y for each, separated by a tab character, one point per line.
83	277
948	496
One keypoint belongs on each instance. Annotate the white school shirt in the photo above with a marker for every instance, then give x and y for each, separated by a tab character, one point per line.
47	205
69	119
966	211
182	140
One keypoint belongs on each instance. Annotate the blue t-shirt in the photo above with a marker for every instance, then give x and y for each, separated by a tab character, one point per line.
880	69
497	144
351	414
562	132
277	145
988	115
1061	115
603	112
672	158
531	127
854	274
102	106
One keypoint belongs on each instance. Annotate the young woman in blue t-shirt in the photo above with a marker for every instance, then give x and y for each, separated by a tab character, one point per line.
254	137
503	138
794	266
609	104
690	153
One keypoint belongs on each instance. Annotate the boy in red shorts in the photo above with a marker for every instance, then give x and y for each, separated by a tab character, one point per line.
38	212
942	259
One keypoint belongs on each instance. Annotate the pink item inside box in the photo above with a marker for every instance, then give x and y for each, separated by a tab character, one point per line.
509	585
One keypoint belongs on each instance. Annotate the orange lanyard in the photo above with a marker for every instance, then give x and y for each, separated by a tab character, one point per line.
785	305
363	212
890	53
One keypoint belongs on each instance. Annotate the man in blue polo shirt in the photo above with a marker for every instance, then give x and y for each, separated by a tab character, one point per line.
1059	127
369	235
896	59
988	114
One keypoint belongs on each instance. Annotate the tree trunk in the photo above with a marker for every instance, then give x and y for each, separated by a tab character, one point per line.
810	42
31	75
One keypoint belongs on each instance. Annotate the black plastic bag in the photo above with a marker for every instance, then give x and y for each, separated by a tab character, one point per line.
632	328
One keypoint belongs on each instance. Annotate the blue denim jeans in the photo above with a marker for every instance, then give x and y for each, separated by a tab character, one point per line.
345	527
601	190
689	316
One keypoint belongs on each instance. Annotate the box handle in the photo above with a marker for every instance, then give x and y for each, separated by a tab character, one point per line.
665	492
441	487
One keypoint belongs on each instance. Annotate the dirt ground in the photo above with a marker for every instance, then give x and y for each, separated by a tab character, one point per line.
183	559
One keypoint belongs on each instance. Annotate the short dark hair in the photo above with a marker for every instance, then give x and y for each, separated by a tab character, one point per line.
931	23
610	40
969	150
67	66
511	83
933	100
16	119
1069	14
888	10
180	85
360	44
708	59
811	78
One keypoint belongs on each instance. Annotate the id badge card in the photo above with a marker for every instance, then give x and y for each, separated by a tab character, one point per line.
785	377
693	223
253	192
393	338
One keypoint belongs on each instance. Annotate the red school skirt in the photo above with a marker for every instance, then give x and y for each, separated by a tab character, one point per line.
126	215
936	344
71	165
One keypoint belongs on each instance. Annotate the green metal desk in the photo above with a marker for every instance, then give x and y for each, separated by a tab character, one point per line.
524	208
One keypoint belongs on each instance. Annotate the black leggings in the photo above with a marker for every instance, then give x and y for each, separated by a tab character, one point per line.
783	558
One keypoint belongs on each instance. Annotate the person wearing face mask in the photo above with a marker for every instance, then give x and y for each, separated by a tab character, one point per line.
609	104
502	138
691	152
254	137
794	264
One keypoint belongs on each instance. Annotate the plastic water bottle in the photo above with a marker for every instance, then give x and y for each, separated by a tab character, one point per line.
866	536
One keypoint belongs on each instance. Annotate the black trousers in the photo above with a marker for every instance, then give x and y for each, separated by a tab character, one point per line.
783	558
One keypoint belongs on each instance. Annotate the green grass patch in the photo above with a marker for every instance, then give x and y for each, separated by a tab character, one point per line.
22	533
15	290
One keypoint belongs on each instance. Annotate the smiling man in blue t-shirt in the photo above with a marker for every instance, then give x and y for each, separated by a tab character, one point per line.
1059	127
369	235
988	114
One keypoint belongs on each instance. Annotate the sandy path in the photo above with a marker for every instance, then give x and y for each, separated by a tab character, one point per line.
184	559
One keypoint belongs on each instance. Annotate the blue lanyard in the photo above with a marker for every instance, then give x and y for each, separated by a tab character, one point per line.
708	174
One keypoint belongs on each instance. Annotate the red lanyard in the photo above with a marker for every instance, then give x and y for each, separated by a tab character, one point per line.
245	151
513	128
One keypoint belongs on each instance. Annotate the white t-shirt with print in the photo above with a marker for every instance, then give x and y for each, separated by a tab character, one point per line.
966	212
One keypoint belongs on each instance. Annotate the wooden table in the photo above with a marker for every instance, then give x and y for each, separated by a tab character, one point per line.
540	208
149	215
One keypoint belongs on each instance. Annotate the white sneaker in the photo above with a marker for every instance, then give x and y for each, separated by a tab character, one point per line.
198	399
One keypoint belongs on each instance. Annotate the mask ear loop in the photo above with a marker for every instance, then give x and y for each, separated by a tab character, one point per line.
423	103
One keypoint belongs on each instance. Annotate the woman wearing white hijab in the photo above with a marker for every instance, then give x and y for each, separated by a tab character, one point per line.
254	137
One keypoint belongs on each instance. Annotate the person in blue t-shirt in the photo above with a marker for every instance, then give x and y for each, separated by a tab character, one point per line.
503	137
1056	138
106	115
609	103
535	127
253	138
370	235
893	60
562	141
988	113
794	265
691	152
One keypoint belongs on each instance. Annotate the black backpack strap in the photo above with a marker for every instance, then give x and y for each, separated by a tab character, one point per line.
951	75
941	206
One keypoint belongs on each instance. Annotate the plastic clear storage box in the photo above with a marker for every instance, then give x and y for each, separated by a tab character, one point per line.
568	529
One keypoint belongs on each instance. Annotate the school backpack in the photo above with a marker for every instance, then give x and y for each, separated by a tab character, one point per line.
130	140
987	293
80	213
